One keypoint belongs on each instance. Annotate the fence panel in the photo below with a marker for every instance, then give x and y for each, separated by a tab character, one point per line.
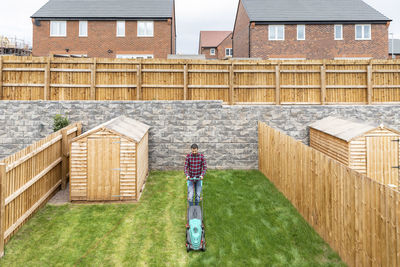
233	82
356	215
30	177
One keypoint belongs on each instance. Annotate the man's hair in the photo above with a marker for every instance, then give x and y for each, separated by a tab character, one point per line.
194	146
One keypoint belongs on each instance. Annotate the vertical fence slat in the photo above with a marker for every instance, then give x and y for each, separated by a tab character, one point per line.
2	206
231	85
277	85
185	82
93	70
139	82
323	84
369	84
47	79
64	155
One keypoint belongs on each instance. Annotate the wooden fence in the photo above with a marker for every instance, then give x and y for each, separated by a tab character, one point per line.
234	82
30	177
357	216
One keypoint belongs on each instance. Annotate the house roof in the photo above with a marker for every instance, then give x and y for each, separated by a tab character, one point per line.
311	11
213	38
346	130
130	128
396	46
106	9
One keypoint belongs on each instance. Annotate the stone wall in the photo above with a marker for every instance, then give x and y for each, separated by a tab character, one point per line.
226	134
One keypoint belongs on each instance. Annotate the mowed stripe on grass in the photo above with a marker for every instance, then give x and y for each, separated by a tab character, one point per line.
248	222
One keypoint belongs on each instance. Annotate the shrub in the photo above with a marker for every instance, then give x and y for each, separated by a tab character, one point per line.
59	122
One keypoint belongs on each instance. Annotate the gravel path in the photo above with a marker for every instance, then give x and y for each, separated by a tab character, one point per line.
62	197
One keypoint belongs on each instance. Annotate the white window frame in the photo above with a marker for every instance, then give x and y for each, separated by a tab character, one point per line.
134	56
146	22
341	31
120	34
275	27
363	32
230	52
59	24
212	52
83	28
304	27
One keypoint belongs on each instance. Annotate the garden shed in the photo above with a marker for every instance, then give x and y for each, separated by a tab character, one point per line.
109	162
369	149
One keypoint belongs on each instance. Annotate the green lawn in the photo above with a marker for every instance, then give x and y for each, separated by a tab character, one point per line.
248	223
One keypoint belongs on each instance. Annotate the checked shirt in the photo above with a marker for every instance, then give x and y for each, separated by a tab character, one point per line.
195	165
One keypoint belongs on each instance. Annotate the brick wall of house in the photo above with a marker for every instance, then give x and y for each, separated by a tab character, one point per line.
206	51
101	38
241	33
319	43
227	43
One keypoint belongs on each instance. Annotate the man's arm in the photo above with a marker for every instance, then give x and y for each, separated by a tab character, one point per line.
204	169
187	165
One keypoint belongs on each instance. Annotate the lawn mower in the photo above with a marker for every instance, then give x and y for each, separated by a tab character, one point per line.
195	232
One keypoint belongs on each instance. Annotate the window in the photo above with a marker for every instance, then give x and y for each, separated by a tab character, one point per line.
133	56
83	28
301	32
228	52
145	29
58	28
120	28
212	51
338	32
363	31
276	32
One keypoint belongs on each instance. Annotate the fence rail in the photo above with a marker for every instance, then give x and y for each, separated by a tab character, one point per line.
357	216
29	177
234	82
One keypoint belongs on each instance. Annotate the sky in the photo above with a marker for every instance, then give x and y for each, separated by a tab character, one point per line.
192	16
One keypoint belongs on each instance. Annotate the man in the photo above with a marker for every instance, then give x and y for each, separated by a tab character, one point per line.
195	166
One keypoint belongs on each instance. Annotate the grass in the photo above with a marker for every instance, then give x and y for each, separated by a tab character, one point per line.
248	223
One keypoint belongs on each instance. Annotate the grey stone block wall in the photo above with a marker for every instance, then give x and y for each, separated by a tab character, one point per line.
227	135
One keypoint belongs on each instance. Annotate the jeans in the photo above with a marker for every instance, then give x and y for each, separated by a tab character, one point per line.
194	187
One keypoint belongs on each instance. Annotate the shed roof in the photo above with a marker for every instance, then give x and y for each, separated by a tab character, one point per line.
311	11
346	130
106	9
396	46
130	128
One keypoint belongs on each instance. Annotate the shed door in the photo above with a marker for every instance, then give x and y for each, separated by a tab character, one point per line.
382	156
103	168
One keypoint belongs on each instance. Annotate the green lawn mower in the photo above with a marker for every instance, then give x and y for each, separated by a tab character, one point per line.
195	232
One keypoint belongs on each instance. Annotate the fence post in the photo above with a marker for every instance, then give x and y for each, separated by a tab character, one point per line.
93	80
139	81
1	78
323	84
46	91
79	126
2	206
369	78
231	85
64	155
185	81
277	85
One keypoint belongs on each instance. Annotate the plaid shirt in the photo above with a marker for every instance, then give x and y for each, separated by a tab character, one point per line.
195	165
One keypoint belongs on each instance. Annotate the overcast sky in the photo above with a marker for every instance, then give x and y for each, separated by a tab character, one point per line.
191	17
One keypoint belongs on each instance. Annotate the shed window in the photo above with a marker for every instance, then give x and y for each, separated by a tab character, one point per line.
363	31
276	32
145	29
58	28
83	28
338	32
301	32
120	28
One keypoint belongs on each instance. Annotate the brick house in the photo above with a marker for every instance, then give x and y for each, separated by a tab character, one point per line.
105	28
395	43
313	29
215	44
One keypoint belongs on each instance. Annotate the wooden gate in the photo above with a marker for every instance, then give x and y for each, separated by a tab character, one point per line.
103	168
383	158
